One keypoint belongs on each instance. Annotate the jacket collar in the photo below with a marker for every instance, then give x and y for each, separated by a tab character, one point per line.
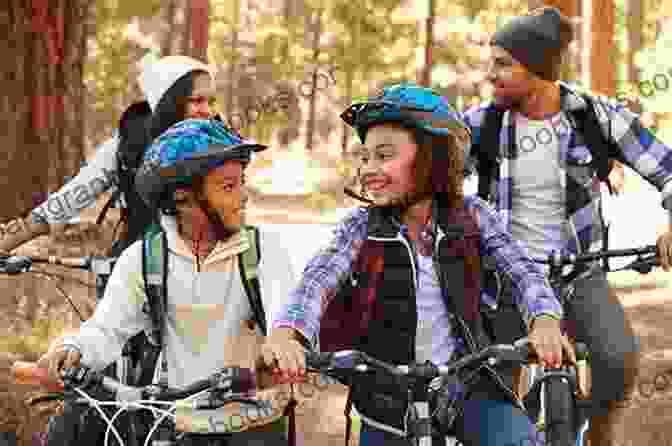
233	246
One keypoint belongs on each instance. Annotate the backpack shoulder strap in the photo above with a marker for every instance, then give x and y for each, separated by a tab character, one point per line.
487	150
248	263
154	274
602	149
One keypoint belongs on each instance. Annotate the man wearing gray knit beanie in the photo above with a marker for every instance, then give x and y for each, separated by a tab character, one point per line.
540	148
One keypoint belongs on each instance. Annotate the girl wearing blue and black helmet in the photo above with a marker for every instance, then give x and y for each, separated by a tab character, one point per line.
193	177
375	286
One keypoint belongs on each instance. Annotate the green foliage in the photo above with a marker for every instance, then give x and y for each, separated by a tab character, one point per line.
112	54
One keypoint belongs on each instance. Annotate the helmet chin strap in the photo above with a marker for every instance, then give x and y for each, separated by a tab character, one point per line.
215	226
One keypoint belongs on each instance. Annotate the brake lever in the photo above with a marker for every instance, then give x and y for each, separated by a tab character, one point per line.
643	265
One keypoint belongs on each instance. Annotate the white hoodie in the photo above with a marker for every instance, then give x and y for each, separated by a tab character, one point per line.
100	174
205	309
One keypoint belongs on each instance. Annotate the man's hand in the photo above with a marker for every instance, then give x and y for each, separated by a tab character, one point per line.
617	178
549	343
664	245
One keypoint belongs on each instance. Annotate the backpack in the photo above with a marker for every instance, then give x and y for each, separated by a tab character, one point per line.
585	121
133	140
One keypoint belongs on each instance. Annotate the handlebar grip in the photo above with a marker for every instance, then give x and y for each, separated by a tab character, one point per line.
30	373
15	264
234	379
318	360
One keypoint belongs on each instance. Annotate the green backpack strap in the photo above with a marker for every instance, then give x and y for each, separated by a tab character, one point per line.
248	263
154	274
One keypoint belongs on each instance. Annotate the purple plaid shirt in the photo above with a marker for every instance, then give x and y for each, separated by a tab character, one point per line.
640	150
328	270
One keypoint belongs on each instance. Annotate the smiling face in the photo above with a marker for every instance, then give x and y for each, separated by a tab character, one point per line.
213	208
386	164
224	191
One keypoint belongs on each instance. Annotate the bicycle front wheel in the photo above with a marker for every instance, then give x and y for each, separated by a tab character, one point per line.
559	403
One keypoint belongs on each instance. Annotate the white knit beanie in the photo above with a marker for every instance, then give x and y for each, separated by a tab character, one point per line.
158	75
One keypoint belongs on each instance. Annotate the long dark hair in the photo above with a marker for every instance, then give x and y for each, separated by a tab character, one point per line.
172	107
444	175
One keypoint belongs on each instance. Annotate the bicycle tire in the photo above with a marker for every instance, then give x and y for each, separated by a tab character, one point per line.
560	413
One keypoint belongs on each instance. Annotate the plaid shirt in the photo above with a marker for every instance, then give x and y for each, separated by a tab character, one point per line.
330	268
640	150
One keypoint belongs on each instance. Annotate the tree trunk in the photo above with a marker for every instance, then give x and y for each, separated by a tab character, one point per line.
233	63
349	79
603	52
568	8
426	79
317	32
635	23
200	27
186	29
171	29
43	97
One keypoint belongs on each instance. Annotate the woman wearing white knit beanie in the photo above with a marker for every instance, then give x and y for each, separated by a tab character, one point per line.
176	88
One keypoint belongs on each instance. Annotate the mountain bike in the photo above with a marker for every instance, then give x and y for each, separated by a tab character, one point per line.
427	425
569	390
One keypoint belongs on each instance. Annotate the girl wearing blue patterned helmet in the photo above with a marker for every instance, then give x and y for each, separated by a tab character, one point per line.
195	171
413	143
402	279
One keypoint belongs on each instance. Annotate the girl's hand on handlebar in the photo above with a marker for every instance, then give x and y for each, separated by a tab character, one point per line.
664	245
285	354
58	359
549	343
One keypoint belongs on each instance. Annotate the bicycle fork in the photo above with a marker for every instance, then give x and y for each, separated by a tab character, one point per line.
422	421
556	406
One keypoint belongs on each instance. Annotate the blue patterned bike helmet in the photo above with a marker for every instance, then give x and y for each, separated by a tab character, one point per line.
189	148
408	104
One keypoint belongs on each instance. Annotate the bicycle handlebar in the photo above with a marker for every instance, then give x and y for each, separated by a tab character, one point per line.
21	264
358	361
558	259
231	381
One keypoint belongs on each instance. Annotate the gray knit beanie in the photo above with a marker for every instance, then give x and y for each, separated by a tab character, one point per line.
537	40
